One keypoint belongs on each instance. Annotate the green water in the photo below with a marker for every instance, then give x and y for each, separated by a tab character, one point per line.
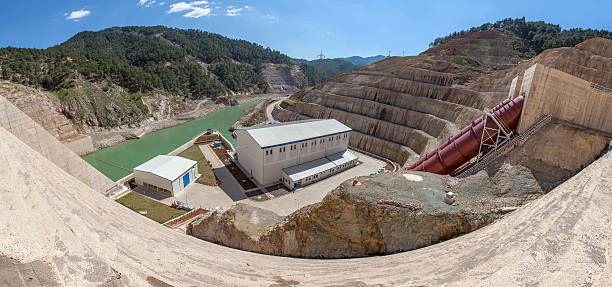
132	153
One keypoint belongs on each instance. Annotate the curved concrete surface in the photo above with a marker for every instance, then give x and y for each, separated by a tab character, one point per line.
562	239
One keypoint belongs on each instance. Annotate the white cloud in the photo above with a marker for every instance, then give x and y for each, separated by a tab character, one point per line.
233	11
77	15
271	17
162	3
147	3
179	7
195	9
197	12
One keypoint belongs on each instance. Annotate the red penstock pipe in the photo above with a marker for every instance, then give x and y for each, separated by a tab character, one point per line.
464	145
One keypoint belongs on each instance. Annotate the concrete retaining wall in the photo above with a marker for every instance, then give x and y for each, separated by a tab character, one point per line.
81	146
550	91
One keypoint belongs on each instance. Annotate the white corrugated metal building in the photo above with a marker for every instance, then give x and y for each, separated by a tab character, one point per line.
165	173
265	151
310	172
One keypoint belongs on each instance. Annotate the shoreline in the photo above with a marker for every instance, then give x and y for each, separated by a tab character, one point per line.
116	136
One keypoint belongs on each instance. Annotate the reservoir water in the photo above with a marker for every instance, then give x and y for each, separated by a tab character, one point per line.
132	153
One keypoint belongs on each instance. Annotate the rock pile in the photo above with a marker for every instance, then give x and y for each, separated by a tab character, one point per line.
384	214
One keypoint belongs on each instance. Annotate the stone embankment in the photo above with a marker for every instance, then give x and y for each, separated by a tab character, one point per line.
384	214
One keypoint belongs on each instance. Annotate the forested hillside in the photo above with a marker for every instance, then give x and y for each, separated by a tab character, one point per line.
123	75
536	36
192	63
317	71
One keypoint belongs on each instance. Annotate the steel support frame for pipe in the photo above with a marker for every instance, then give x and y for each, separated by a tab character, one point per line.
501	134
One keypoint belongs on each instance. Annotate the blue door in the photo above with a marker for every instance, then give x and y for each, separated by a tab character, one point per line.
185	179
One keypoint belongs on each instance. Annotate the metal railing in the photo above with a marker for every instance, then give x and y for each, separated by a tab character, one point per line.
601	88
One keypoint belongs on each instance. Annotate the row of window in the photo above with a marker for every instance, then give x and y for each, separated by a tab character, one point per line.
316	176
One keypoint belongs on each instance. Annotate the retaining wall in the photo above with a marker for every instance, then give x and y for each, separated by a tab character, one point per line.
565	97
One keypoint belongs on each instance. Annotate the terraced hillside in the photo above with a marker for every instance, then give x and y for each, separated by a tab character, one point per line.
397	114
403	107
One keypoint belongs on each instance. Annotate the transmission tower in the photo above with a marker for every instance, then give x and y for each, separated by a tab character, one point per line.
320	65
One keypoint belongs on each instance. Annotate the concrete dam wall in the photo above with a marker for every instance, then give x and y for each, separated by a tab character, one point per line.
35	136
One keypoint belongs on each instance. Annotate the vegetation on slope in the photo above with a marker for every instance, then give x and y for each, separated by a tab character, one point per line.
142	59
536	36
101	77
204	168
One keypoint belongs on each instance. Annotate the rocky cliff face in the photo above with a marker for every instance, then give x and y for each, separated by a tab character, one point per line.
42	107
283	78
384	214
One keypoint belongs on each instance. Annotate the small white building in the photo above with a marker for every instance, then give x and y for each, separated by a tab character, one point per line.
165	173
265	151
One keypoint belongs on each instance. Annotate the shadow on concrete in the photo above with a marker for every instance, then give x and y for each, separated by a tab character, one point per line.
150	193
228	184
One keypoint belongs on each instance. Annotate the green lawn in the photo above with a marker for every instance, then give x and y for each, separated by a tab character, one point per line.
194	153
155	210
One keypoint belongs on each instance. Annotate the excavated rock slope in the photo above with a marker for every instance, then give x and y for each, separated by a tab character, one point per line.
384	214
403	107
398	114
283	78
42	107
61	232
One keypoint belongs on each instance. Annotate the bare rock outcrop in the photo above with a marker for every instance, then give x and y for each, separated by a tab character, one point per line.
162	106
283	78
384	214
42	107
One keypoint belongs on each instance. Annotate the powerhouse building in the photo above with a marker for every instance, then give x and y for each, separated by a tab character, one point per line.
165	173
294	153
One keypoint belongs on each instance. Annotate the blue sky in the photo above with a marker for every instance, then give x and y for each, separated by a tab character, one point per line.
300	29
